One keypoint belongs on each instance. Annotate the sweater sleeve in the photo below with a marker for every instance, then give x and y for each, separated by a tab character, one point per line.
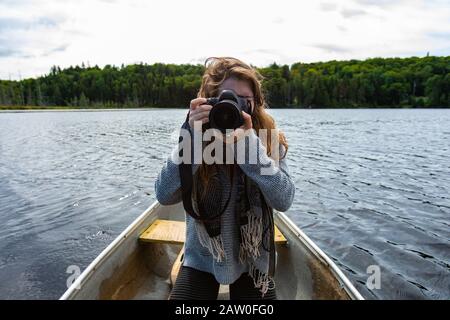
168	183
273	178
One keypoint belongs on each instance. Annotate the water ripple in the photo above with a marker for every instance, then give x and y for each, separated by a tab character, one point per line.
372	189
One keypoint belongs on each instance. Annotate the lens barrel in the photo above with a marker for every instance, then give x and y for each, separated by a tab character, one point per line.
226	113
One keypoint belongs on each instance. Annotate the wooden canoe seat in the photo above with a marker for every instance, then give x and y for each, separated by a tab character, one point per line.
174	232
165	231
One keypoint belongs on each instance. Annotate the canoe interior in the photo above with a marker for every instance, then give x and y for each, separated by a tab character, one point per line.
134	270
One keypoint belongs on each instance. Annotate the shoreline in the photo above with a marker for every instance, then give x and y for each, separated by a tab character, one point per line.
68	109
77	109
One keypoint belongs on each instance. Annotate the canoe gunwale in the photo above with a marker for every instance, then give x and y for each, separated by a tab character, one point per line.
87	273
145	217
322	257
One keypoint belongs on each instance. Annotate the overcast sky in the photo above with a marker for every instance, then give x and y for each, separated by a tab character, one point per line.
34	35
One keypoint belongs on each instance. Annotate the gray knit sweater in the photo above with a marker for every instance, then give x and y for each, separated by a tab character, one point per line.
277	188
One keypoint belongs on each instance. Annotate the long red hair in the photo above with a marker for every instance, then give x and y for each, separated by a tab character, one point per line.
218	69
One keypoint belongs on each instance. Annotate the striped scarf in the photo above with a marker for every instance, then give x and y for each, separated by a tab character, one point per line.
255	217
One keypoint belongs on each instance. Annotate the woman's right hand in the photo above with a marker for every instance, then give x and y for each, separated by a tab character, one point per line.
199	111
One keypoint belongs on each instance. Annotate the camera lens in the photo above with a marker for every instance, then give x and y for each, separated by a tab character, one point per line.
225	116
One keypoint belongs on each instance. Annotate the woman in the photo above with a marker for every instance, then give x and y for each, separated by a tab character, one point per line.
233	241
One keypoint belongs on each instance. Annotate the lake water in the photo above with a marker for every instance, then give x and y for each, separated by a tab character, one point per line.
372	188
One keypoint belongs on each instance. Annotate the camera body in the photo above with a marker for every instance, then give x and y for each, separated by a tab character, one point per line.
226	112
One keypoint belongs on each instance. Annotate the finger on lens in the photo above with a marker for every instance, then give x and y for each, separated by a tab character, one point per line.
204	107
196	102
200	109
200	115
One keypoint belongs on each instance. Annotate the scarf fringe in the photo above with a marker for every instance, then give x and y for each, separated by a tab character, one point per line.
213	244
261	280
251	237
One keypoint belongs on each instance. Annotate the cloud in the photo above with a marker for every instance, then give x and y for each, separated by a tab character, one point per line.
278	20
262	51
440	35
10	47
16	2
328	6
379	3
267	56
10	23
7	52
18	36
60	48
199	60
7	23
332	48
36	34
17	51
349	13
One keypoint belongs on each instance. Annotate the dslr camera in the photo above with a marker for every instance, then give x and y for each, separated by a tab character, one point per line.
226	112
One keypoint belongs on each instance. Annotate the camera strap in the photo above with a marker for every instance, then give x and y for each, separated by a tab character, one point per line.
187	183
186	177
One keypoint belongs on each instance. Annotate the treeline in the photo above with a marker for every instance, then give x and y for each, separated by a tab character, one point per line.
376	82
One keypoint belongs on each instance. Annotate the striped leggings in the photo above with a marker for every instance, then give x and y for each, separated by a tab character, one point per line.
198	285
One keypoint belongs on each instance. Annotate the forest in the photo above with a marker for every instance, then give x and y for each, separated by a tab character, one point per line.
371	83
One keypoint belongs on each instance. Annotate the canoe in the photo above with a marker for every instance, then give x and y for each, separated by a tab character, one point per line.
133	269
